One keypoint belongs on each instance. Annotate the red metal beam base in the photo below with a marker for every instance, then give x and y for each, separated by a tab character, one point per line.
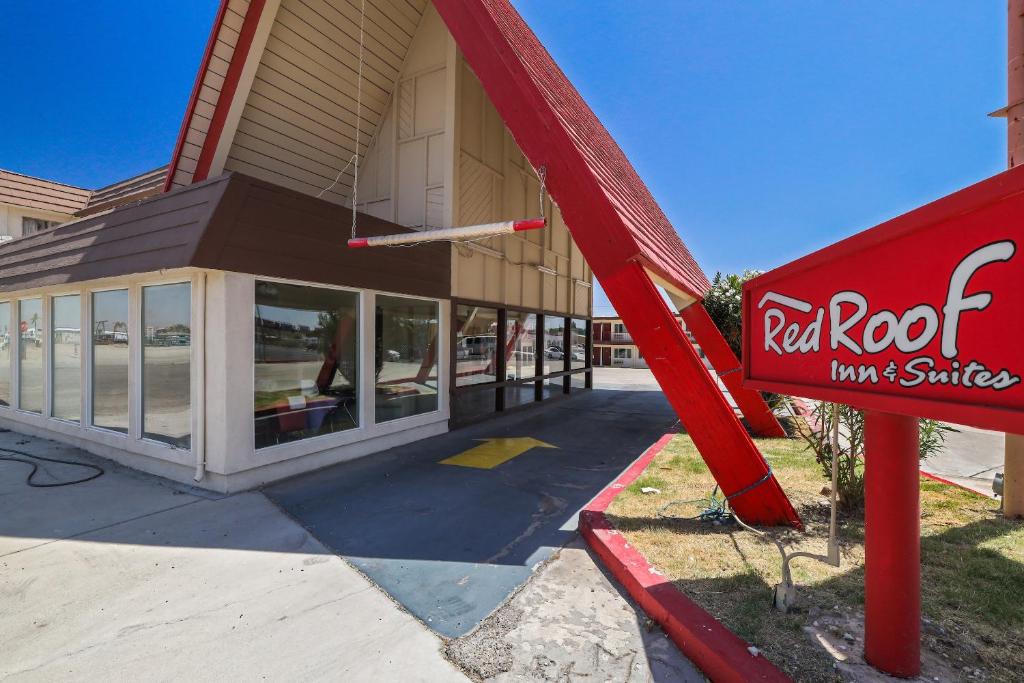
892	544
722	441
760	417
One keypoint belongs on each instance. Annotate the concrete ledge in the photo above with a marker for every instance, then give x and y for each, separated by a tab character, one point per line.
802	409
947	482
717	651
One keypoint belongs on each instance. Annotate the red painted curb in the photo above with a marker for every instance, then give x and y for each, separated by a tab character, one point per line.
717	651
935	477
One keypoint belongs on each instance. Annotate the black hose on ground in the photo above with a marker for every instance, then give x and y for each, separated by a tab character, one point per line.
24	458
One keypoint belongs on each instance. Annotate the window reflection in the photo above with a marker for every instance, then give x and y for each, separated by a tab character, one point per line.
578	343
476	345
5	354
110	363
66	357
406	357
521	345
306	362
166	364
473	405
554	344
30	355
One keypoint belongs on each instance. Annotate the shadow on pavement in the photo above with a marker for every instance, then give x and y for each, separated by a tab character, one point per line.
451	543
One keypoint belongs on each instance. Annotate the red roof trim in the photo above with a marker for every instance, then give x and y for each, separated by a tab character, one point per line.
227	92
204	64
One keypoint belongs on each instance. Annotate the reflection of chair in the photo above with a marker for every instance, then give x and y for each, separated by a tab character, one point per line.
302	413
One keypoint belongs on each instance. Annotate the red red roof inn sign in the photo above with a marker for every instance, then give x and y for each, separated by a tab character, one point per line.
922	316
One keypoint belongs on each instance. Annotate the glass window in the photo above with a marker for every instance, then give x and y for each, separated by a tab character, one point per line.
167	364
30	226
623	354
473	405
307	362
520	345
476	344
30	355
578	343
66	357
519	394
110	363
5	354
406	357
553	386
554	344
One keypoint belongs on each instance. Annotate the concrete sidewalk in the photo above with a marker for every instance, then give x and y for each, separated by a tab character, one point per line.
129	578
971	457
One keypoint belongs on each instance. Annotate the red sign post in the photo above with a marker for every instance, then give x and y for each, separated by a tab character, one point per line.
921	316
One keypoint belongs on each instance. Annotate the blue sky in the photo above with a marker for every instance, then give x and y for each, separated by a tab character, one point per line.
764	129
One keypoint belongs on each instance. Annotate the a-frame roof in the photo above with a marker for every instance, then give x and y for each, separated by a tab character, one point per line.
611	214
605	204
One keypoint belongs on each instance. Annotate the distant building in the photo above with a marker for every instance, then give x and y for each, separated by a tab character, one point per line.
31	205
614	346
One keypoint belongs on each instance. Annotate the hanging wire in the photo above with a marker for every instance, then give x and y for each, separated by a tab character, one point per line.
353	161
359	114
542	175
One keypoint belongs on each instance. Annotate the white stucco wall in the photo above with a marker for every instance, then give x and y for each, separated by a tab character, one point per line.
223	351
10	218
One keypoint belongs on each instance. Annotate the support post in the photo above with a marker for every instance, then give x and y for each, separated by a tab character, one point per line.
1013	477
759	416
722	441
1013	466
892	544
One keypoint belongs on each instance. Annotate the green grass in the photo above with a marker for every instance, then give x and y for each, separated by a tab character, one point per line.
972	563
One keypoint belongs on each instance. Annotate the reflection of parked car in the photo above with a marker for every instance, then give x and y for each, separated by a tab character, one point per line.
480	346
555	353
393	355
578	355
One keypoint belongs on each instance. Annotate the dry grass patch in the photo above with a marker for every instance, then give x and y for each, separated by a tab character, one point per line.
972	565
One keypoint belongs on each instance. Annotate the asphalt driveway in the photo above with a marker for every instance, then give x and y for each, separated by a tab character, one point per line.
451	541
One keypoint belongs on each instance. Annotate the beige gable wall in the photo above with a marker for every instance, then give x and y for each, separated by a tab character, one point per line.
411	163
434	152
496	182
402	178
298	127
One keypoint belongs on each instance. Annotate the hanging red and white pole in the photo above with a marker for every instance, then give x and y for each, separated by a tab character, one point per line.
464	233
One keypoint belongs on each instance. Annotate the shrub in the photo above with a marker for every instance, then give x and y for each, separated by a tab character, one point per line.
722	303
851	449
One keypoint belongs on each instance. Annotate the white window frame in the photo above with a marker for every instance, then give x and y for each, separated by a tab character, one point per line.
194	358
132	442
16	357
368	428
12	359
82	359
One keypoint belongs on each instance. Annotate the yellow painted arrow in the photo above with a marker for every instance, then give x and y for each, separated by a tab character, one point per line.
493	452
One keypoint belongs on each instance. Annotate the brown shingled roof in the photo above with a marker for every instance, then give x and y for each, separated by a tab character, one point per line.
48	195
44	195
233	223
129	190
